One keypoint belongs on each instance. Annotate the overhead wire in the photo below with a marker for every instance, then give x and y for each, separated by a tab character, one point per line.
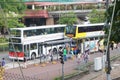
6	26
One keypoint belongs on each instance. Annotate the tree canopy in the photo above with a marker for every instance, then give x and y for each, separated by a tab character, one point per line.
68	18
97	16
115	31
11	12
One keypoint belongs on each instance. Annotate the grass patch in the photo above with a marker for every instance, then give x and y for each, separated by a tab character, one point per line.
73	75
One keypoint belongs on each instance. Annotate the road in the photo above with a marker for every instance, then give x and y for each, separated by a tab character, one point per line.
49	71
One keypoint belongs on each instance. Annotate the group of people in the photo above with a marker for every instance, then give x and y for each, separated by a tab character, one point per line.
2	63
84	56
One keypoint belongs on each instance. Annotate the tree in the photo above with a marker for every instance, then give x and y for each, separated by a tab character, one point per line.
11	13
115	31
97	16
112	30
68	18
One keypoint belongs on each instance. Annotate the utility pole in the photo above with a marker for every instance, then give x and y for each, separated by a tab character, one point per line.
62	71
107	4
108	66
107	63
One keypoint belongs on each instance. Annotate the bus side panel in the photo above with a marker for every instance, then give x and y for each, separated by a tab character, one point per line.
95	33
80	35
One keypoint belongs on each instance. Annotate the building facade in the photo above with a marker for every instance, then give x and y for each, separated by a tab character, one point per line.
46	12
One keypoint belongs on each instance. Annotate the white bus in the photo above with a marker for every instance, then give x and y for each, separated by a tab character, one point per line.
86	34
31	42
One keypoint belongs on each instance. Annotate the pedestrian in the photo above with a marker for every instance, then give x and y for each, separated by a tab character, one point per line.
112	45
25	65
65	54
115	45
86	54
79	56
3	62
75	51
51	55
0	65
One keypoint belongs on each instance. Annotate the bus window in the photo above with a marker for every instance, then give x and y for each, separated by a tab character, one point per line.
33	46
15	33
15	47
40	31
56	30
80	29
61	29
52	30
25	34
47	31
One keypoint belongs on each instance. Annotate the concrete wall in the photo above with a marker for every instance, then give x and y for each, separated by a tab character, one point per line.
50	21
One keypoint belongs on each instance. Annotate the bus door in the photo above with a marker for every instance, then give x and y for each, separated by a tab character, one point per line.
26	50
40	50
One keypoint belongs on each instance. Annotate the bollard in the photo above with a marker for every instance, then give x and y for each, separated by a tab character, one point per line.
36	64
2	71
43	65
54	62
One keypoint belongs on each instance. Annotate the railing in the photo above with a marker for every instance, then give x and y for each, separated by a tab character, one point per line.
3	46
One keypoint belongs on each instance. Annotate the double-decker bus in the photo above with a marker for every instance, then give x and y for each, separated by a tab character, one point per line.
31	42
86	34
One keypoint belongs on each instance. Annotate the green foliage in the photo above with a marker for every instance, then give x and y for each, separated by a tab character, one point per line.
3	40
115	32
68	18
11	12
97	16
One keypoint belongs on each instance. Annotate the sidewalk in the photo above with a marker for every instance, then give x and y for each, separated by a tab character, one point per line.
50	71
16	64
101	75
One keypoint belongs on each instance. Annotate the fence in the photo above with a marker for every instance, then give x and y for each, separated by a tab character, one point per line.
3	46
47	74
11	76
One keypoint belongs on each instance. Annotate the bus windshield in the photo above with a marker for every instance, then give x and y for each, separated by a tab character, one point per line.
70	30
15	47
15	33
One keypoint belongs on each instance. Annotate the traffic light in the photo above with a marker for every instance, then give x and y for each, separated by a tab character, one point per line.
61	58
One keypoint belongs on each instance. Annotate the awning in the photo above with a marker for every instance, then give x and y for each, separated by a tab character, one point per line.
36	14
